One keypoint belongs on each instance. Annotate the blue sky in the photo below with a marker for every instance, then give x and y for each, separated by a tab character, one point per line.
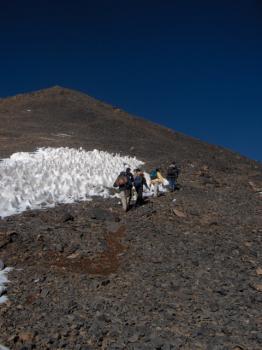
195	66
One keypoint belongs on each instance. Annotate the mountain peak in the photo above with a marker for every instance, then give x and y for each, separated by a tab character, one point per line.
95	124
55	90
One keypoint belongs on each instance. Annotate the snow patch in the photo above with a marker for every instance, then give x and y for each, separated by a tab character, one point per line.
3	282
57	175
2	347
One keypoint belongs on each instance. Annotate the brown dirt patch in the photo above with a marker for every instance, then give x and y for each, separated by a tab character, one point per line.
102	264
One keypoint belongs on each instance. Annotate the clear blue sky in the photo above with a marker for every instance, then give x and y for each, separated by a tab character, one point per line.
195	66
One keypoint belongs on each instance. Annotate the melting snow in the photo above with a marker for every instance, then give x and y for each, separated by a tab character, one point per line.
3	347
3	281
57	175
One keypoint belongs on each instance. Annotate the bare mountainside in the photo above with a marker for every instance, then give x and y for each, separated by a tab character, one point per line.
45	117
162	276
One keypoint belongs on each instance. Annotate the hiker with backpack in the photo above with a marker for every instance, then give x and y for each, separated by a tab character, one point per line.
139	183
156	180
172	175
122	182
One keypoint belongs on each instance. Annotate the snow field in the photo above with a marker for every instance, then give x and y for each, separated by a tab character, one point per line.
57	175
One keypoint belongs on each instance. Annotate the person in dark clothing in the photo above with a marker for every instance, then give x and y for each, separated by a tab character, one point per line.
172	175
130	177
139	182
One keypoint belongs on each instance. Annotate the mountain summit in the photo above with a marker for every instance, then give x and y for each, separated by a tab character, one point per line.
37	118
41	119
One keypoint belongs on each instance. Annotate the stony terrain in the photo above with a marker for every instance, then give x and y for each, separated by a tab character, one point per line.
184	275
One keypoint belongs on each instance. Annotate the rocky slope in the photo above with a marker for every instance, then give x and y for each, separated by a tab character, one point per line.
162	276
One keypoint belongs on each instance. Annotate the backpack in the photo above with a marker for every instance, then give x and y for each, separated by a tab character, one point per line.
173	171
121	180
130	180
153	175
138	180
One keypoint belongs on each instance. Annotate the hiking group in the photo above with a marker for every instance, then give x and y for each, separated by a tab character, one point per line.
126	181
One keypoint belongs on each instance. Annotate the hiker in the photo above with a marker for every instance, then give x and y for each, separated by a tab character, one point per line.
124	189
172	175
139	183
156	180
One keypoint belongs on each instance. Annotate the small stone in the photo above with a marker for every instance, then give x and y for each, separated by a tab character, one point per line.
221	291
7	237
73	256
68	217
179	213
57	336
258	270
214	308
105	282
194	212
39	237
254	187
133	338
258	287
59	248
259	337
44	293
